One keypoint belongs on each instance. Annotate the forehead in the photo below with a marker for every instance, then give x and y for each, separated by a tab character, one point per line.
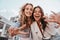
28	6
37	9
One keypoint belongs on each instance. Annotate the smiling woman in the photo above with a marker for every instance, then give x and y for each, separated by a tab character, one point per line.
39	26
25	21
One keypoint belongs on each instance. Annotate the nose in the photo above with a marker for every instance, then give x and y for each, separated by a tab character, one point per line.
37	13
29	11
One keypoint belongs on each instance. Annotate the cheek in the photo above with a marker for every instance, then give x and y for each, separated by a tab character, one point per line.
31	14
25	11
34	14
40	14
34	17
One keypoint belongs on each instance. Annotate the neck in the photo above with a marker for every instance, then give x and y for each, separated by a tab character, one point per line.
28	19
38	21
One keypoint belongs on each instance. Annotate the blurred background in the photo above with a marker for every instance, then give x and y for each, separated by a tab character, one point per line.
10	8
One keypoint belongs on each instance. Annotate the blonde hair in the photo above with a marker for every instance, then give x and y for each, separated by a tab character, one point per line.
23	18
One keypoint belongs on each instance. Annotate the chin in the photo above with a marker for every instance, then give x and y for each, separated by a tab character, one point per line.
37	19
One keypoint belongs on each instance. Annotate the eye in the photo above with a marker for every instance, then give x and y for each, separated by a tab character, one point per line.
31	9
27	8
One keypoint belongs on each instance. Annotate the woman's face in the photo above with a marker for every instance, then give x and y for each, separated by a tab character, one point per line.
28	10
37	14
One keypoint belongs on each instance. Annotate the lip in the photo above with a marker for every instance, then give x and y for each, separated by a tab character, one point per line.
37	16
28	13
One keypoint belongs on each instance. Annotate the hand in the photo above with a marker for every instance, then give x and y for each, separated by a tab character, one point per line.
11	31
17	31
54	18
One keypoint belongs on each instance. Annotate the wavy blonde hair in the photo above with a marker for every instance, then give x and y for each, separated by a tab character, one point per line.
23	18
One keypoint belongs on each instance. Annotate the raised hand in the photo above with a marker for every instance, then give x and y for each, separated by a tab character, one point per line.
55	17
11	31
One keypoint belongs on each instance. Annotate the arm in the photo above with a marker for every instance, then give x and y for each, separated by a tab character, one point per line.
15	31
22	27
19	30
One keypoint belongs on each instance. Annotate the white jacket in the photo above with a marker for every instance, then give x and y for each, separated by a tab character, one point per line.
35	31
49	30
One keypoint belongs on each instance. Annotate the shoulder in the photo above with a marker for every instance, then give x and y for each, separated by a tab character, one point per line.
33	23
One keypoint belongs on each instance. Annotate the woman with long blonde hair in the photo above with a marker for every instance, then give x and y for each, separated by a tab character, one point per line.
25	22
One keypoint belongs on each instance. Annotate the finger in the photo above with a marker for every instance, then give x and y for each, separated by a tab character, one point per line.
53	12
52	17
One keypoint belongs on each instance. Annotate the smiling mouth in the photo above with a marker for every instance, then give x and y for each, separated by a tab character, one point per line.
37	16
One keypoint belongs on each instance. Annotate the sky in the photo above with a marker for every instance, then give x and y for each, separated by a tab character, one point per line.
10	8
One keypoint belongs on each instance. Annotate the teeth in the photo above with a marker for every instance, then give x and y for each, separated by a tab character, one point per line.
37	16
